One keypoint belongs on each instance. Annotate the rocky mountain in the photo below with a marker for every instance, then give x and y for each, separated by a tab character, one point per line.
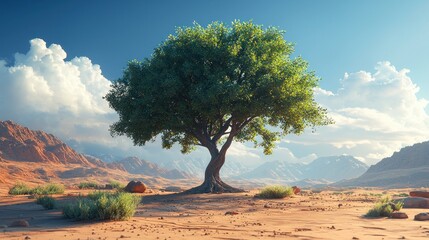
39	156
195	167
328	169
407	168
136	165
335	168
279	170
19	143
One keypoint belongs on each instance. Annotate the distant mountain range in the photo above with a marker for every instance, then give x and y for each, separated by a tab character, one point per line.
25	153
326	169
407	168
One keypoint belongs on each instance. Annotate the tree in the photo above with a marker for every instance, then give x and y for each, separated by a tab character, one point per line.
209	86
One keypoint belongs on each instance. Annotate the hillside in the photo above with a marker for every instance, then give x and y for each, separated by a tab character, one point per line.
36	156
407	168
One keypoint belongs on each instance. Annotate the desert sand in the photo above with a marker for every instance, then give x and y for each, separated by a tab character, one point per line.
326	214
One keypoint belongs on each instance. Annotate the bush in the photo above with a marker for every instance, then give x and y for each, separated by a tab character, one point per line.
51	188
103	206
275	192
116	184
46	201
384	207
20	189
88	185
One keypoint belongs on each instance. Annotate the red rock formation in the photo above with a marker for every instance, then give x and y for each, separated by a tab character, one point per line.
19	143
423	194
135	187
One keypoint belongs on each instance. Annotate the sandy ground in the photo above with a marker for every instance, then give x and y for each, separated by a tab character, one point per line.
310	215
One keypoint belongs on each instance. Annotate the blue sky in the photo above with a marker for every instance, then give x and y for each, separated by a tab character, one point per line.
335	37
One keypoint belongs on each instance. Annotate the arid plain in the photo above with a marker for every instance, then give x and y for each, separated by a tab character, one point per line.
318	214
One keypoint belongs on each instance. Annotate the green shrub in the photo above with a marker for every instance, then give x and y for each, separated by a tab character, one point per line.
88	185
20	189
116	184
46	201
275	192
51	188
103	206
384	207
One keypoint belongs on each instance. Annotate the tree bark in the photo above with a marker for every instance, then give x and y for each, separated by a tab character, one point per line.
212	181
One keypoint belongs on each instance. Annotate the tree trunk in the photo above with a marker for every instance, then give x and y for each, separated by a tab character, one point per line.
212	181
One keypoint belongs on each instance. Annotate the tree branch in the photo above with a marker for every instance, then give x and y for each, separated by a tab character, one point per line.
222	130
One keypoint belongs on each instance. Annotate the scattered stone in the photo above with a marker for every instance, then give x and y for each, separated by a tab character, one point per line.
355	238
231	213
296	190
19	223
422	194
340	205
135	187
414	202
398	215
422	217
27	237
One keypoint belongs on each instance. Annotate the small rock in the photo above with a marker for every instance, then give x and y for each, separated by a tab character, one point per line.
414	202
355	238
340	205
296	189
19	223
231	213
399	215
27	237
422	216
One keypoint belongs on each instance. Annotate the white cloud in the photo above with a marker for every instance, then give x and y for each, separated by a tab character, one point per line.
375	114
44	91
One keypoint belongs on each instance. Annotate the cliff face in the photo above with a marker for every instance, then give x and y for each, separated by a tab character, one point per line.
18	143
408	157
407	168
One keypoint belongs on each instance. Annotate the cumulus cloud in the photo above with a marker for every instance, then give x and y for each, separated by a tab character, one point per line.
42	90
375	114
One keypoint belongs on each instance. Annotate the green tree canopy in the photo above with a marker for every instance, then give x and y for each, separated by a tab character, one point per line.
210	86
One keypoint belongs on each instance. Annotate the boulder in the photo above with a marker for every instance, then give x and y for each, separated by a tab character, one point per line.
414	202
296	189
422	194
135	187
422	216
398	215
19	223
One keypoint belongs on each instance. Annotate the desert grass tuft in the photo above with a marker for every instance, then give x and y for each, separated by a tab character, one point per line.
23	189
116	184
103	206
47	202
384	208
273	192
20	189
88	185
